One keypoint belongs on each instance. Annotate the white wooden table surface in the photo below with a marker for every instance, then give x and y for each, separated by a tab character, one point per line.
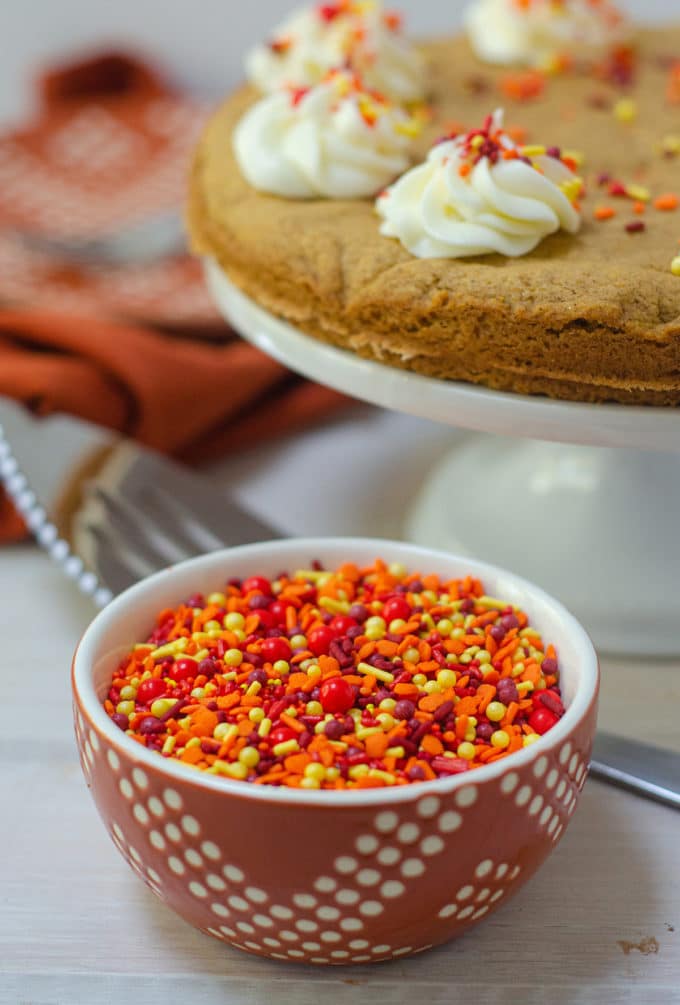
76	926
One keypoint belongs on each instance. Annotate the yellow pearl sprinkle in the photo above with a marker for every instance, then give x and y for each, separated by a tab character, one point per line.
675	266
249	756
446	678
626	110
500	739
315	770
310	783
162	705
466	751
495	711
670	144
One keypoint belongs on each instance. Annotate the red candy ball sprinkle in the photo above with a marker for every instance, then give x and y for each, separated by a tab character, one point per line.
542	719
341	624
336	695
151	689
257	584
319	640
276	649
396	609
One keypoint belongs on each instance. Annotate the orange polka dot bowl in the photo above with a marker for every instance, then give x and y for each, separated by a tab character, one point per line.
331	876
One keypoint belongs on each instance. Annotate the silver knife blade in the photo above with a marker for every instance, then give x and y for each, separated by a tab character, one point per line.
638	767
108	510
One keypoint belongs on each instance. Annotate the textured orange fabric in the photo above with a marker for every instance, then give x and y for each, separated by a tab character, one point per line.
195	400
137	349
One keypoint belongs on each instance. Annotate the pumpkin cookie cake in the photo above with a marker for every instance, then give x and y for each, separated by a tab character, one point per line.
501	207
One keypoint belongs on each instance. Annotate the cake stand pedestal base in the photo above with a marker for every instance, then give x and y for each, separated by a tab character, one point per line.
595	526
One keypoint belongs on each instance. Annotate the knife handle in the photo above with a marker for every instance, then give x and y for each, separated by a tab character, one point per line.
647	771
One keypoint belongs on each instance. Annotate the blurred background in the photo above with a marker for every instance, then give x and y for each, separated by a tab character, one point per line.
203	41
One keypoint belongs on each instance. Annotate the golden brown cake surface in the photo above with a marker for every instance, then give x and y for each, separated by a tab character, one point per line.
590	317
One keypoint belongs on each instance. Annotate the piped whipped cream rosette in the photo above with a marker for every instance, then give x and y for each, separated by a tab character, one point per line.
336	141
362	36
535	33
480	193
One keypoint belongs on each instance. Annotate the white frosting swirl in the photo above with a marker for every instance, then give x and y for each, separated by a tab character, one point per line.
333	141
534	32
506	206
317	39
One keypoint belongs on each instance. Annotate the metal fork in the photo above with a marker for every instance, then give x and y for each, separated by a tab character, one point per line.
136	511
154	513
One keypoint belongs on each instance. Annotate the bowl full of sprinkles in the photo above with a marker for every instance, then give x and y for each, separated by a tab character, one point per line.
294	742
335	678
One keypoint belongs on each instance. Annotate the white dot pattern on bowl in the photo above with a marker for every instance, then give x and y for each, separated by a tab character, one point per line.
388	855
304	900
459	906
345	864
431	845
385	861
325	884
428	807
140	779
367	844
386	822
450	821
412	867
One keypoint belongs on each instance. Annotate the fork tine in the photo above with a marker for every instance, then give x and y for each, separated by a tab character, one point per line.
135	527
119	567
178	520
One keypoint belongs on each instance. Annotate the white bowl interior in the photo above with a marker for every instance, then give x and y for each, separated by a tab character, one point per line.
131	617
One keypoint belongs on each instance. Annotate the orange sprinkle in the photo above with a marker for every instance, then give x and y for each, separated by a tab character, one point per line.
292	723
431	745
376	745
667	202
523	86
203	722
296	763
604	212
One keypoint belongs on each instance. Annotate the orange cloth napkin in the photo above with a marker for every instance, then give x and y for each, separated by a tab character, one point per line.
138	349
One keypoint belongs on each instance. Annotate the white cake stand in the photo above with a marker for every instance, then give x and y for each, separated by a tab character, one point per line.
592	515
